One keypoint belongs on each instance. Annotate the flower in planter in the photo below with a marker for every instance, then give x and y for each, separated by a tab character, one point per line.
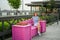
22	23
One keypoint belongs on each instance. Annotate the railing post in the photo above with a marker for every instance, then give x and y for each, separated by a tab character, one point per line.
2	25
2	29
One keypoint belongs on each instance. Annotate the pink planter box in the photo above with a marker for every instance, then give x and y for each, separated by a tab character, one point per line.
30	21
21	32
43	26
28	31
33	31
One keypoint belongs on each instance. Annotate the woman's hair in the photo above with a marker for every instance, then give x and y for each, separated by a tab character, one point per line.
35	13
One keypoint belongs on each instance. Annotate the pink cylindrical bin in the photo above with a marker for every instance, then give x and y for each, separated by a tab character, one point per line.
43	26
21	32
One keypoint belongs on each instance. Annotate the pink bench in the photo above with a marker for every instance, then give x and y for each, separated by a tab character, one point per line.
21	30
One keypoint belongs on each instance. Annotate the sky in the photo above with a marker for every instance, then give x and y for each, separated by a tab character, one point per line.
4	5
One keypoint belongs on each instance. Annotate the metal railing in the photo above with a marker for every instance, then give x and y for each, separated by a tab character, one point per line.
4	30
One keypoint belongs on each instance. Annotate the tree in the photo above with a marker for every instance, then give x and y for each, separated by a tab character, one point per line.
52	2
51	5
15	4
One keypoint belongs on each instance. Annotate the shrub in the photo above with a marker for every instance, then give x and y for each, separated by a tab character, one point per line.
49	18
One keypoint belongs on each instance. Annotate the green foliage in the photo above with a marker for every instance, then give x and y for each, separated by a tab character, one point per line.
6	25
15	3
42	9
51	4
43	17
49	19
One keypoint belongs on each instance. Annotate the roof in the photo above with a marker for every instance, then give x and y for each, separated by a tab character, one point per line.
39	3
30	4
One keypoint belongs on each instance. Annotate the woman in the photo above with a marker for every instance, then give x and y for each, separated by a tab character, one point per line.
36	22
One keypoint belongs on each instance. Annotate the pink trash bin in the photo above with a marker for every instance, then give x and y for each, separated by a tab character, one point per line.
43	26
21	32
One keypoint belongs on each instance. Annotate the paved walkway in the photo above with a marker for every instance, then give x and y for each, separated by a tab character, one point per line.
52	33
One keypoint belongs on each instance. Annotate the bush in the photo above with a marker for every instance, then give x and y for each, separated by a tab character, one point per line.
50	18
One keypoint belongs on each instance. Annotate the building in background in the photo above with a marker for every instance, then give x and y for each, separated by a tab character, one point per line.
4	4
41	6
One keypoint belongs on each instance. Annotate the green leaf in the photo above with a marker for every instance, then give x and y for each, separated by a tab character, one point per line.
15	3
